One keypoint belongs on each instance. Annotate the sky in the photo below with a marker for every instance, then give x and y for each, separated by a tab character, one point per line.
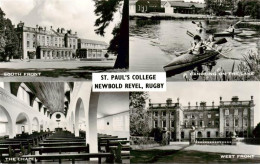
209	91
77	15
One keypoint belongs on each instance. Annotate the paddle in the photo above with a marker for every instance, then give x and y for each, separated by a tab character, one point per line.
197	24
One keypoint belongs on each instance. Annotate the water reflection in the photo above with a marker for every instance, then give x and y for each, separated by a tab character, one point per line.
154	43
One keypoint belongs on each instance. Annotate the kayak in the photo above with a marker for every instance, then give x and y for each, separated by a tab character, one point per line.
187	60
226	33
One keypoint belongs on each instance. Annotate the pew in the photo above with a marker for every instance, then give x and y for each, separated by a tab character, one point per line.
53	144
109	156
60	149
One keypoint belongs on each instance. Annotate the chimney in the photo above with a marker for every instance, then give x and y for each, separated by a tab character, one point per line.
58	30
62	30
252	97
44	28
178	100
76	33
220	98
235	98
202	104
37	26
213	103
169	101
51	27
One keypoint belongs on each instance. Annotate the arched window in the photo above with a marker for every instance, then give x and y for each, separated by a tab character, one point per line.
199	134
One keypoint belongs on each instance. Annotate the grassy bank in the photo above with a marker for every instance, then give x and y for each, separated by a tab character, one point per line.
169	156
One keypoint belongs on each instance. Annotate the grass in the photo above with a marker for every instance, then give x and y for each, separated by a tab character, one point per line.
182	156
81	72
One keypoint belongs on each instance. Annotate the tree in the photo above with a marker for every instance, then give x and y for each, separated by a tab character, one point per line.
139	117
256	131
8	38
105	10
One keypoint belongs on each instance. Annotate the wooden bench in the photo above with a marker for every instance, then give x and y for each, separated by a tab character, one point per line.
55	144
60	149
64	140
85	156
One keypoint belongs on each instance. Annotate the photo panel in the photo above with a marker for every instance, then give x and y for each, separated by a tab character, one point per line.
62	121
199	40
56	40
196	122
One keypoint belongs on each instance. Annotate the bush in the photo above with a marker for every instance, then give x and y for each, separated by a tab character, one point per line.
157	134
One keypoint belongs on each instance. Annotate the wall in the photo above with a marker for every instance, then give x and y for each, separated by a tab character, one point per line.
116	125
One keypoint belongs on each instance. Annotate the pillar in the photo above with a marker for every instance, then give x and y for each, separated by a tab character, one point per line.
41	54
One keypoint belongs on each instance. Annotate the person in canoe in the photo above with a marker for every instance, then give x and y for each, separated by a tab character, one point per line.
231	29
210	42
198	46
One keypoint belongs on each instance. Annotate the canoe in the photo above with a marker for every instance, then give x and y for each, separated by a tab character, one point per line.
187	60
226	33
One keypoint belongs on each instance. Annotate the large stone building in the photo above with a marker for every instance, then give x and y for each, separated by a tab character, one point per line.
230	117
91	49
40	43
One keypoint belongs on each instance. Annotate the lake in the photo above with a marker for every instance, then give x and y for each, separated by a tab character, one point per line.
154	43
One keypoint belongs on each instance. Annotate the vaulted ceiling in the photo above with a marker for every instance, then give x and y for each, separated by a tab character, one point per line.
51	94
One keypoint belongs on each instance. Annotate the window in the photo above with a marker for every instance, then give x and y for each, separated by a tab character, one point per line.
164	113
227	122
245	123
163	124
245	112
201	115
226	112
208	134
155	113
199	134
236	122
217	134
217	123
193	123
185	116
236	112
212	123
172	124
28	36
201	123
172	113
209	115
182	135
28	44
209	123
192	116
216	114
155	124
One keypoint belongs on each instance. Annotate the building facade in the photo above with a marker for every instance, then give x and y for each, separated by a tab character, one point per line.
146	6
40	43
91	49
230	117
183	7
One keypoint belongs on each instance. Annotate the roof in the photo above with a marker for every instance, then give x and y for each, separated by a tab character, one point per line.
163	3
92	41
186	4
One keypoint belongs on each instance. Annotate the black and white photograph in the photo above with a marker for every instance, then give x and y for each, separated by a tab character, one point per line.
62	39
196	123
62	122
196	40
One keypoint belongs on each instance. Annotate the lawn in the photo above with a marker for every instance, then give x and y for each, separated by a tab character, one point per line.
182	156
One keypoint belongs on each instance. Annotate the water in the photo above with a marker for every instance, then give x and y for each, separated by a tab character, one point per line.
154	43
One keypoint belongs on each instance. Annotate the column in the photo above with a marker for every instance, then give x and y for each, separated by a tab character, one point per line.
41	54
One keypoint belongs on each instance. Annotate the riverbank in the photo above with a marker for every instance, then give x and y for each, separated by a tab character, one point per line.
165	16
